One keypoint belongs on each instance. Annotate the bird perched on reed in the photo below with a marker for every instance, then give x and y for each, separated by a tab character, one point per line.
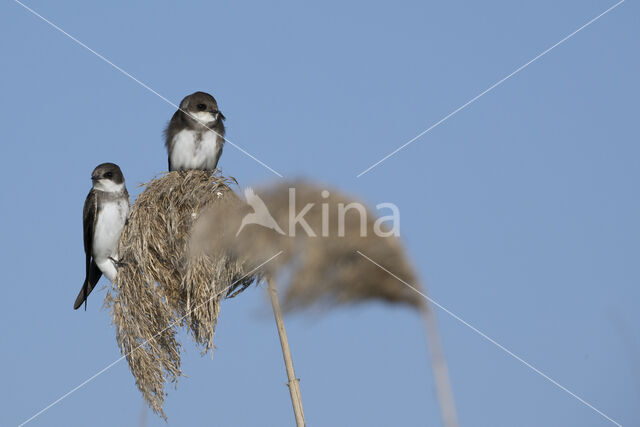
105	212
195	134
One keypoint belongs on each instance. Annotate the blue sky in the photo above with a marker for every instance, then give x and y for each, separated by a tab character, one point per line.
520	212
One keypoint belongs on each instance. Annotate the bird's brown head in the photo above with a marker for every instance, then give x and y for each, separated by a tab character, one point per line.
107	177
200	108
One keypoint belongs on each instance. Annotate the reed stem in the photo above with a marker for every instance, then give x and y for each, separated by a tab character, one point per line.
294	383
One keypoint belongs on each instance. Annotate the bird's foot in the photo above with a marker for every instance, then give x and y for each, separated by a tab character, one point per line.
117	263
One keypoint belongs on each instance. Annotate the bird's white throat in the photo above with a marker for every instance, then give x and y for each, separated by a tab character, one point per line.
204	117
108	186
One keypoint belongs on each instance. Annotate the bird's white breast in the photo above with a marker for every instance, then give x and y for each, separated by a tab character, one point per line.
109	225
195	150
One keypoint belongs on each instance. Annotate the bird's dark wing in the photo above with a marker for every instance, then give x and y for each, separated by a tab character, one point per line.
93	273
170	131
218	154
89	214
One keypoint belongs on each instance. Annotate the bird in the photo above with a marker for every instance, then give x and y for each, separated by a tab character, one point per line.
195	134
260	215
104	215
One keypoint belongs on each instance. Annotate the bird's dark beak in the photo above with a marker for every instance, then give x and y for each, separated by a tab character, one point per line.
218	114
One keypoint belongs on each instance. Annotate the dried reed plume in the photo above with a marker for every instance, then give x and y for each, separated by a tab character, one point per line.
319	265
170	277
325	269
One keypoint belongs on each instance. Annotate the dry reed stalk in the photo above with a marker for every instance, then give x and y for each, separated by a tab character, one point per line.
294	382
439	367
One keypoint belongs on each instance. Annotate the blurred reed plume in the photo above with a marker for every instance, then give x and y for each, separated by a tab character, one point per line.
169	277
322	267
322	260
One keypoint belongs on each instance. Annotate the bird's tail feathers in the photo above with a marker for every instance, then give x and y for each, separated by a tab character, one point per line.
82	295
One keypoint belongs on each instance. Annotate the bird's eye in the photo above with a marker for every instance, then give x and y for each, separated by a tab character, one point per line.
201	107
108	175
